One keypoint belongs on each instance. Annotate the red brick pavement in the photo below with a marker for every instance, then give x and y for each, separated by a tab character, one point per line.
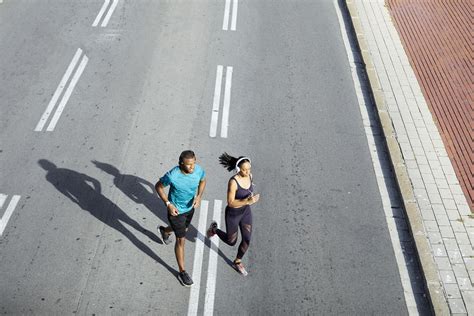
438	38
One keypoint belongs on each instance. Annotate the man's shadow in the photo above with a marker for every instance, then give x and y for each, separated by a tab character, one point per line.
137	189
85	191
143	192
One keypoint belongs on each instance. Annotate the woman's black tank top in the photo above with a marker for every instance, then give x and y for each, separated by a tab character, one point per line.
242	193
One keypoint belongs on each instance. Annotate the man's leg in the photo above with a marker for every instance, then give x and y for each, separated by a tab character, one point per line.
180	226
179	252
179	246
183	276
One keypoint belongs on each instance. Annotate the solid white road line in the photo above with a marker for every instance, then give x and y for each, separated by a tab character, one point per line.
109	14
234	15
198	254
217	100
383	189
212	268
8	213
59	90
68	93
225	24
225	109
101	13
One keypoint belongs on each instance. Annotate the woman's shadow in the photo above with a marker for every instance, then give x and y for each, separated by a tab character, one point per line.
85	191
143	192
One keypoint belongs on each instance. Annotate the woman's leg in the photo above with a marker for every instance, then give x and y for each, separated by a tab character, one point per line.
232	220
246	231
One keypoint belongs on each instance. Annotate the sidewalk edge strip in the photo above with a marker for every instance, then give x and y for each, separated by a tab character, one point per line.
428	265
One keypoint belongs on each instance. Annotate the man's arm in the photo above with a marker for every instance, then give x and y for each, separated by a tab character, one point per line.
201	187
160	189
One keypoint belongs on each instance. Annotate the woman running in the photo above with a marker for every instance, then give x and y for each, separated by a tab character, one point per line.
237	213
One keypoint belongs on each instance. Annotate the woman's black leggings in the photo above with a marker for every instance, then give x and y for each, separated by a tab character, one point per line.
235	218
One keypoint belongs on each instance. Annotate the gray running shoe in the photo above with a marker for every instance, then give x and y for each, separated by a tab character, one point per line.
164	236
185	279
211	231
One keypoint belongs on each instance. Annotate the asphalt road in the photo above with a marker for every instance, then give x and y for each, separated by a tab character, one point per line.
83	236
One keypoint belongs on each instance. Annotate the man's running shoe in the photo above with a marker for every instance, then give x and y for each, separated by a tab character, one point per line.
211	231
185	279
240	268
164	236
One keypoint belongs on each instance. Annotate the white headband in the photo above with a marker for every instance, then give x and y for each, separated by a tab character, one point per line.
240	160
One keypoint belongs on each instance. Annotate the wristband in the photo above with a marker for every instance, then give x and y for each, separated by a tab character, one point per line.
167	203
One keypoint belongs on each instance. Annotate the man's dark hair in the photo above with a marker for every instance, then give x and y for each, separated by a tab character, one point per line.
187	154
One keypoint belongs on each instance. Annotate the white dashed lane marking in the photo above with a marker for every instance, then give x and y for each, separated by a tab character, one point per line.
102	11
198	255
227	9
216	102
59	90
8	212
212	268
226	107
198	258
217	99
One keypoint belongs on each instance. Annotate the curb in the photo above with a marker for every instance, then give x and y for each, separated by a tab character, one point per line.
415	221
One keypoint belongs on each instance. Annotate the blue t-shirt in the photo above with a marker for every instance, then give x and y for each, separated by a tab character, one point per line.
183	187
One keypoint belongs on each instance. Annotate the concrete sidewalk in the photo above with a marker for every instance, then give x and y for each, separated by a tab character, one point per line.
438	212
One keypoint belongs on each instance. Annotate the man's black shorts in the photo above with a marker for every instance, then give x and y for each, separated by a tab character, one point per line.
180	222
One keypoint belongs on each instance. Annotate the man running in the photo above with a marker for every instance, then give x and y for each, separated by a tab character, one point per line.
187	182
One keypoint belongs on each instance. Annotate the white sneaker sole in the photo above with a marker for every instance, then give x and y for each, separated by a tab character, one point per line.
182	283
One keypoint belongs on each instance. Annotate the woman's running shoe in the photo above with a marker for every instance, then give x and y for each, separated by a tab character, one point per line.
239	267
211	231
